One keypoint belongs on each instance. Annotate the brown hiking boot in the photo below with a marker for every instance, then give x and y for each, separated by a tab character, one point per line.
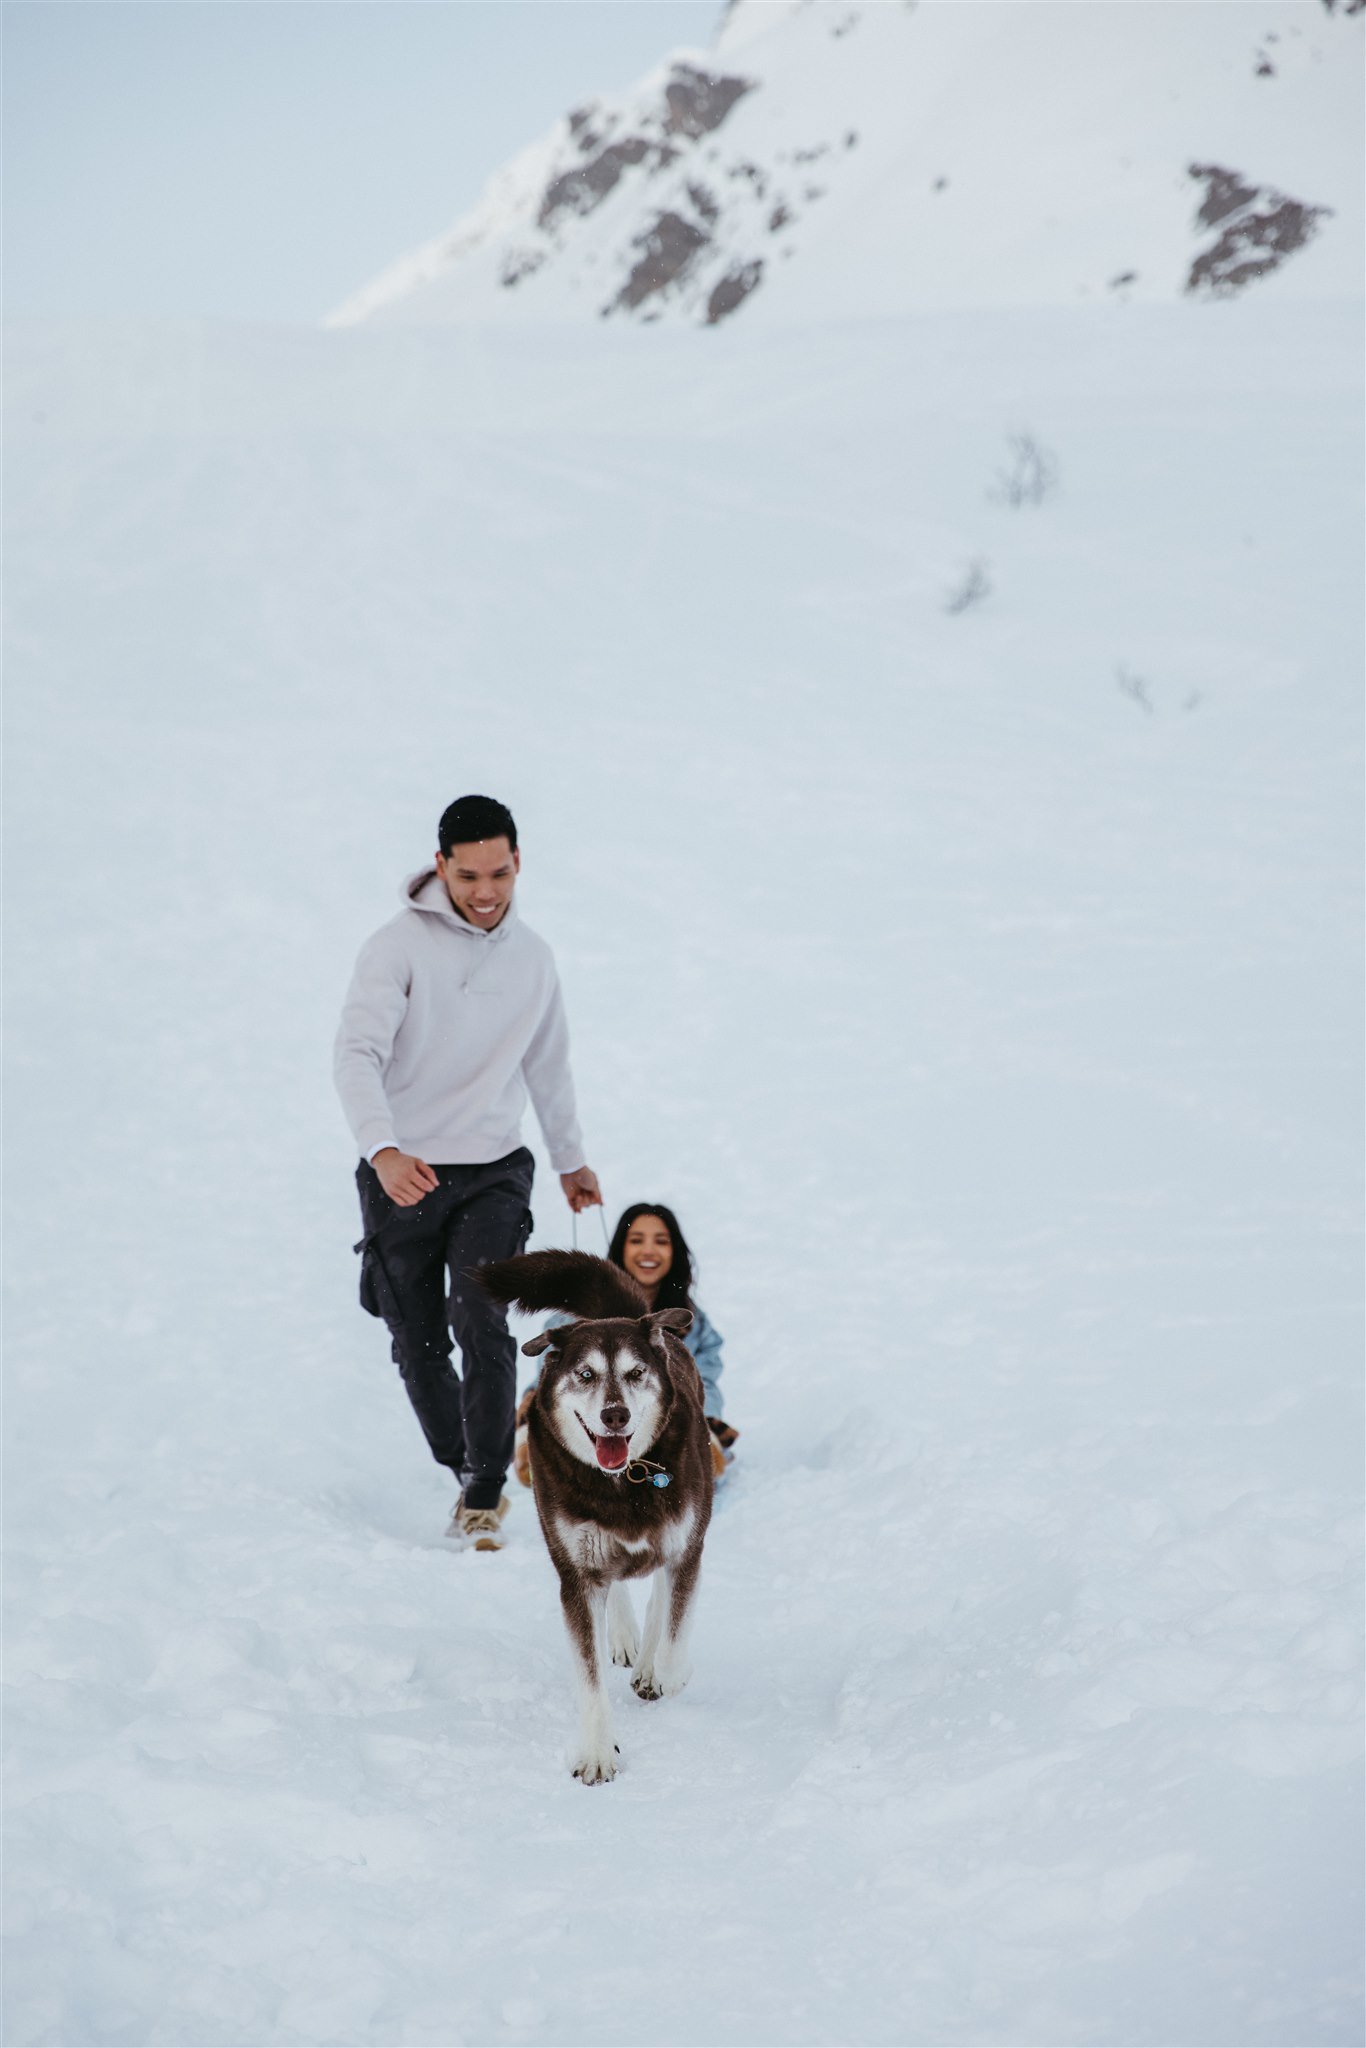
479	1528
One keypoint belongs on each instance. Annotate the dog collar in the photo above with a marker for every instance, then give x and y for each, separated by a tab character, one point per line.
641	1472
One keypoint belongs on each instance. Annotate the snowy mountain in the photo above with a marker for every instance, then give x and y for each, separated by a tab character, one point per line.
827	159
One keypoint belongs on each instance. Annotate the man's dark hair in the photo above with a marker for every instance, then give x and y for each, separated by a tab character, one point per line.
675	1289
475	817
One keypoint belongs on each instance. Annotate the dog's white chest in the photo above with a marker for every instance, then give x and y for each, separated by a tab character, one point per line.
611	1553
594	1549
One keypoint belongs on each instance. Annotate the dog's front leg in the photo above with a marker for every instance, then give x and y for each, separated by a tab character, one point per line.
673	1665
595	1756
643	1677
664	1667
623	1637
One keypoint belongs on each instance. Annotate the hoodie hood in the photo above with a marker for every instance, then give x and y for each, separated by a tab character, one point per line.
426	891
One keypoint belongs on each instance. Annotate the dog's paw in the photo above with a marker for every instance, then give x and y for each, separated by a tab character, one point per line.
662	1682
624	1645
597	1765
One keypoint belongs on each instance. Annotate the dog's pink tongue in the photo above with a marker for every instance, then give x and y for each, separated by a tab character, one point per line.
612	1452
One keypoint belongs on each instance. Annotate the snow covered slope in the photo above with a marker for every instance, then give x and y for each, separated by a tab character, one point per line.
831	159
958	908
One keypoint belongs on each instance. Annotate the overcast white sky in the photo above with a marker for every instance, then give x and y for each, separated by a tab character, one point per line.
260	159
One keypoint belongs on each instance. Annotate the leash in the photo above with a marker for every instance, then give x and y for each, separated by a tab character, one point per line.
574	1227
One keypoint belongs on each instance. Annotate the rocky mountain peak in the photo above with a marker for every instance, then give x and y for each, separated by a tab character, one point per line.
824	159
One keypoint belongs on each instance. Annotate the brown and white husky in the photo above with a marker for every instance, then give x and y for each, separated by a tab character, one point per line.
622	1476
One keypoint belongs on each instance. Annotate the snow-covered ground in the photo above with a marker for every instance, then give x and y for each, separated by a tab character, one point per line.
982	987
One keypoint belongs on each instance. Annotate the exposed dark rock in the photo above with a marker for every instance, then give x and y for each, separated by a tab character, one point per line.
779	218
809	156
1125	277
520	263
1351	7
1225	192
699	101
754	175
1254	246
734	288
941	185
705	203
1263	228
851	139
668	251
582	130
585	187
1265	68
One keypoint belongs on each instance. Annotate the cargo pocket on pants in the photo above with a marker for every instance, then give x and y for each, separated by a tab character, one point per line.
377	1295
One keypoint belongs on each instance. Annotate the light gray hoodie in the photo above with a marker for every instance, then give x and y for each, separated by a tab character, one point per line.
445	1031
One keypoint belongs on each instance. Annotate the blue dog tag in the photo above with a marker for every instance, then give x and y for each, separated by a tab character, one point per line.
660	1479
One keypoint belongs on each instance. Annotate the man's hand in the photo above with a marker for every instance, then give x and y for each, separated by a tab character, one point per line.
405	1180
581	1189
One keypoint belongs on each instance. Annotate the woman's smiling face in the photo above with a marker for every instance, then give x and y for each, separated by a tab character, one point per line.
648	1251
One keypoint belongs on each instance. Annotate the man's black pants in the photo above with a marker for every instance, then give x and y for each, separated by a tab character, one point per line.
414	1273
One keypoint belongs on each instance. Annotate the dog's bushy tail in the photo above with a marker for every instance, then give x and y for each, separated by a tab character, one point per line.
575	1282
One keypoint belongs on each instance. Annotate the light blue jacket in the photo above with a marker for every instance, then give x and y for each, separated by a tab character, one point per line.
703	1341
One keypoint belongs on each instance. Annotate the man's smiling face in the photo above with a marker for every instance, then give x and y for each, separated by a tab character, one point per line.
480	878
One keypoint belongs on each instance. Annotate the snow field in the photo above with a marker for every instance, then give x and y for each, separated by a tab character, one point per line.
993	1035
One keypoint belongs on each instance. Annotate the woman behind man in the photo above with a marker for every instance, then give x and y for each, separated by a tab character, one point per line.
649	1244
651	1247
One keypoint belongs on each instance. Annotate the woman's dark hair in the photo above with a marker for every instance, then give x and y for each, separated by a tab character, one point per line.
474	817
675	1289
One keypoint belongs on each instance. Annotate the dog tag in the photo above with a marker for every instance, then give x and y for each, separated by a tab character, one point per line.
660	1479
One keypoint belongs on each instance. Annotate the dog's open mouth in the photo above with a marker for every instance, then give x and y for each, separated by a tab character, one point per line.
612	1450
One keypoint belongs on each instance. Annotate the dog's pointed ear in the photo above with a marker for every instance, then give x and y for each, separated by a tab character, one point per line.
676	1319
534	1346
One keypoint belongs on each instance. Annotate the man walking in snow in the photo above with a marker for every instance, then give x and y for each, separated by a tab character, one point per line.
452	1019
